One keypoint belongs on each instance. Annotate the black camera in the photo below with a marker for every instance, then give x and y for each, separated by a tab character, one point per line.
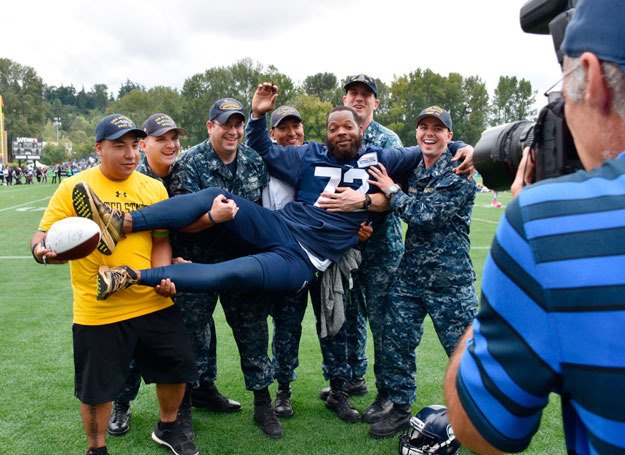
500	149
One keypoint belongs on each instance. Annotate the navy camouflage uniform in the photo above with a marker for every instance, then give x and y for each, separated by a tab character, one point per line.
133	381
380	258
197	169
435	275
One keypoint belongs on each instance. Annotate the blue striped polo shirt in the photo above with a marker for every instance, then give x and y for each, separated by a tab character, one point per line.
552	316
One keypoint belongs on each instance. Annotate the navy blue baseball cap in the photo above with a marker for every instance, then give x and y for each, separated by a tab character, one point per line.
362	79
115	126
159	124
436	112
224	108
284	112
597	27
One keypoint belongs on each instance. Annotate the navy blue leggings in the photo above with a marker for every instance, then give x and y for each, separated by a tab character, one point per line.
275	262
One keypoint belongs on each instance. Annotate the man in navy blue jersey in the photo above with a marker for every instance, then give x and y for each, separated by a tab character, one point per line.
552	309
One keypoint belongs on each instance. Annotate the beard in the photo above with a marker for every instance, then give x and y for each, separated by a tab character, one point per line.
345	152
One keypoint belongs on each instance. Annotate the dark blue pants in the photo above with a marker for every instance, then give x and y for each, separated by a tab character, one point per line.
275	262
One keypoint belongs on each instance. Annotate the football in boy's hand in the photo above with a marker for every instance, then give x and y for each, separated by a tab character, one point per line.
73	238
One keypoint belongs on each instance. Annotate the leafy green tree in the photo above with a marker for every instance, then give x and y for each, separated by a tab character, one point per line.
139	104
314	113
128	87
513	100
25	108
324	86
54	153
237	81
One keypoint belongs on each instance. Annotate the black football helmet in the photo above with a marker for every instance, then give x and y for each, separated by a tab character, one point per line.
429	433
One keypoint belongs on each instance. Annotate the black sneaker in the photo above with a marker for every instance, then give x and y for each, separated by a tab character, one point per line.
266	419
119	421
171	435
113	279
378	409
356	386
338	402
283	407
88	205
396	420
98	451
208	397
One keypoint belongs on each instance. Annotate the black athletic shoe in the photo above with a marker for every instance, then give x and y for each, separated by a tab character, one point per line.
172	436
208	397
267	421
88	205
119	421
98	451
396	420
357	386
378	409
113	279
283	407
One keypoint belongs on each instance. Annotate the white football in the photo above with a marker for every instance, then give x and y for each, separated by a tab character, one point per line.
73	238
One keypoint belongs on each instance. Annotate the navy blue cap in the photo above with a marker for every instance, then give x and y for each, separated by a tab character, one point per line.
115	126
436	112
159	124
284	112
224	108
597	27
362	79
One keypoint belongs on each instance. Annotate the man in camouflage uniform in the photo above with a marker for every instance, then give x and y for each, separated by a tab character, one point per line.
223	161
435	275
380	255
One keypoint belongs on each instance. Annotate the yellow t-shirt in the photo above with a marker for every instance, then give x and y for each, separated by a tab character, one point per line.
134	249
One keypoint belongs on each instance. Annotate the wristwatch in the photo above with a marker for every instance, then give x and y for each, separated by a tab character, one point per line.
392	190
367	202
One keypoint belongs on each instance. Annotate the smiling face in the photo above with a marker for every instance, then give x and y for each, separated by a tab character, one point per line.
119	157
344	135
289	131
161	151
432	137
362	99
226	137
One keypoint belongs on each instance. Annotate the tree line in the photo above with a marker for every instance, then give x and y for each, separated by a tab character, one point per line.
30	105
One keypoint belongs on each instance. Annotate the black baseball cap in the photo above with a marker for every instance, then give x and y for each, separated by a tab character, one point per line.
362	79
159	124
282	113
436	112
224	108
115	126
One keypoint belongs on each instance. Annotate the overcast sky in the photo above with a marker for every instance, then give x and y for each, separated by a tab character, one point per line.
160	42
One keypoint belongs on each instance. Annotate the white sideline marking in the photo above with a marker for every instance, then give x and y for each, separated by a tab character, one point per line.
25	203
15	257
485	221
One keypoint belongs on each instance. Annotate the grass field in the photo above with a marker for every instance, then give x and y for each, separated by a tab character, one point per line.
40	415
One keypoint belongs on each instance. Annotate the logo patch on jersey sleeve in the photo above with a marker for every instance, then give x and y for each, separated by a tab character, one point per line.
368	159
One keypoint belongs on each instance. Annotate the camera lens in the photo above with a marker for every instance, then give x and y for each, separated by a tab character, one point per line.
498	152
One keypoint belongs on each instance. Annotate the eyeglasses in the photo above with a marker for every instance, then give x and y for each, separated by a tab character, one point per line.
549	93
229	126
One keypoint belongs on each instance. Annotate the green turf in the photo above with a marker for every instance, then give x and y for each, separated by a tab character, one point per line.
39	414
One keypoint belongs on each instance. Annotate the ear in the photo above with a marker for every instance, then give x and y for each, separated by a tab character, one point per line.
597	94
142	144
376	103
209	127
98	149
271	135
450	134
